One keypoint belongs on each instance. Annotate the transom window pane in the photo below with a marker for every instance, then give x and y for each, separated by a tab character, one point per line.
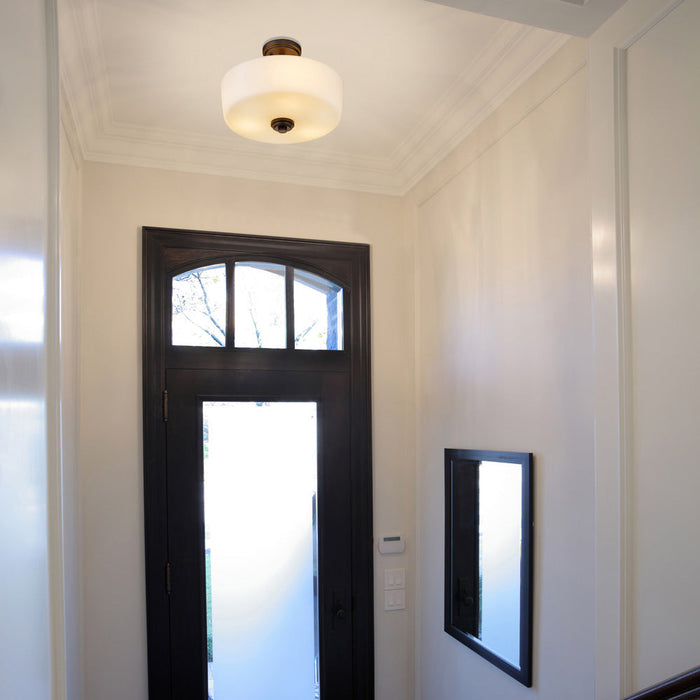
318	313
199	307
260	305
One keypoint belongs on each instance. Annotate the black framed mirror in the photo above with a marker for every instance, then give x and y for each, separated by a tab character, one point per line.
488	556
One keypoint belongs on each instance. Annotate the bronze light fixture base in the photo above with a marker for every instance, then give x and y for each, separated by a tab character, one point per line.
281	46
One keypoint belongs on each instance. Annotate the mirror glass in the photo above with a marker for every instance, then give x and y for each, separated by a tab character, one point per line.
488	556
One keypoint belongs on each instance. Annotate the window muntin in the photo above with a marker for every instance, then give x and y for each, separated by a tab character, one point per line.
199	307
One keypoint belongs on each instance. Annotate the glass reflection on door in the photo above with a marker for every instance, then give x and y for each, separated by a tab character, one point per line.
261	549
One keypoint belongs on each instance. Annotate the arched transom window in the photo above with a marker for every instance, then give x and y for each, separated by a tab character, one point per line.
274	306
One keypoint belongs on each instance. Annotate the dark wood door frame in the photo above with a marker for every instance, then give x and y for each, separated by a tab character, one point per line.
167	252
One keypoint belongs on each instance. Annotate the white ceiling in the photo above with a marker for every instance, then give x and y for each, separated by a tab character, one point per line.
141	82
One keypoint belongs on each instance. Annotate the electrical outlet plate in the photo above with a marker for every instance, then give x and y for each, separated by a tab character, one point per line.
395	600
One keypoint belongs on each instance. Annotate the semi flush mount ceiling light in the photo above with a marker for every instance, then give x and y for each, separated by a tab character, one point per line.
282	97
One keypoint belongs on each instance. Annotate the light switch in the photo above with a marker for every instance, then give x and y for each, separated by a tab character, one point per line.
395	600
394	578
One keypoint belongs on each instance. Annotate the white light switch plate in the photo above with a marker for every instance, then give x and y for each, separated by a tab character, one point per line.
395	600
394	578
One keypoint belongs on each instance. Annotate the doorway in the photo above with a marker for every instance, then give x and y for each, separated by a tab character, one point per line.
257	471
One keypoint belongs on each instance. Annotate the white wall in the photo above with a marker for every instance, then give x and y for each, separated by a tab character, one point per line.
29	625
504	361
117	202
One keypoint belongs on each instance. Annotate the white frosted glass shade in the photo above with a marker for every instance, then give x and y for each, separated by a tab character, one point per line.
307	91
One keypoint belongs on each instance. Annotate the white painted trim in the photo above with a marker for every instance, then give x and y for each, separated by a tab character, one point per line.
53	363
551	77
410	217
481	90
658	13
626	420
70	129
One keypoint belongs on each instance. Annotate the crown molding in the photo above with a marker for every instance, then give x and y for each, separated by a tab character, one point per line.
327	171
512	56
524	101
84	69
68	124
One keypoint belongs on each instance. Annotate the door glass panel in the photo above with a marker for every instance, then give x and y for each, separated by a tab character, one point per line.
261	549
318	313
199	307
260	305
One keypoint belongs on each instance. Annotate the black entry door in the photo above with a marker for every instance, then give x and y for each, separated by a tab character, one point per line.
313	619
193	649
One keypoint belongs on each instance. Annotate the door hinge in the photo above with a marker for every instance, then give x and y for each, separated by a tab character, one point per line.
167	578
165	405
